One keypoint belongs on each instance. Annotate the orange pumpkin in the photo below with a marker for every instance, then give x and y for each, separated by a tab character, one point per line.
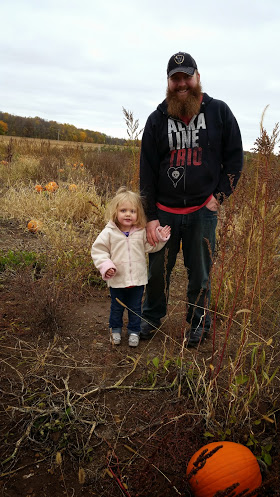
39	188
52	186
72	187
233	463
33	226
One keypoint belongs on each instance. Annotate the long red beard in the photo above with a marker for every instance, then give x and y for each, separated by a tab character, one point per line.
189	107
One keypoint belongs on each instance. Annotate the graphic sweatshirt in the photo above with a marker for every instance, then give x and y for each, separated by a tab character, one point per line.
181	165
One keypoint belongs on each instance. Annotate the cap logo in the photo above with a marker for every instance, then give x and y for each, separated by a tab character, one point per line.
179	59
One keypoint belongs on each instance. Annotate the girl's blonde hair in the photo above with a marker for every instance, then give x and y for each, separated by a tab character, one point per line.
125	195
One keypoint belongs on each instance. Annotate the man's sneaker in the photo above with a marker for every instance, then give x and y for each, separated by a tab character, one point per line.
133	340
195	337
147	330
115	338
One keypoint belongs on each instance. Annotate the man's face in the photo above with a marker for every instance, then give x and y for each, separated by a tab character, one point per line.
184	94
182	84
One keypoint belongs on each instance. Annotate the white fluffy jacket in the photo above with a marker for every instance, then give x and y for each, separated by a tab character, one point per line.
126	254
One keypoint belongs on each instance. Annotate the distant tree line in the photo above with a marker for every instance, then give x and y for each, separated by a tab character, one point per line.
36	127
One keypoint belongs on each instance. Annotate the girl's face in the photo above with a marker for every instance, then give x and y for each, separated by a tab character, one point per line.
126	216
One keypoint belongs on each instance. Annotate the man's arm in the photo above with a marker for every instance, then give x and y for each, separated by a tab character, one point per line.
149	164
232	155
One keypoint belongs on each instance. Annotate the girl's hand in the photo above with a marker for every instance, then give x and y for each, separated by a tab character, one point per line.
110	273
165	231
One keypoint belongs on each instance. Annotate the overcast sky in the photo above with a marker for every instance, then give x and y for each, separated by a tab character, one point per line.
81	62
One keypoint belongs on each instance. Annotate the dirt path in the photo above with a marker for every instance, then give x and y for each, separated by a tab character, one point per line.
80	417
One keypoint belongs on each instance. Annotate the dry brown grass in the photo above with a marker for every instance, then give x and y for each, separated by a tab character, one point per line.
39	142
235	389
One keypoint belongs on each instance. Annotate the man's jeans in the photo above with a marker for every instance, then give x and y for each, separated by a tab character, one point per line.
132	298
197	231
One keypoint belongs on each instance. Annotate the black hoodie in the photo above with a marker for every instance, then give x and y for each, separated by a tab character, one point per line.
182	165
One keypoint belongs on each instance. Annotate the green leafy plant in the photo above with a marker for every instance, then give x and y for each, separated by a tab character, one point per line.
263	450
13	259
156	367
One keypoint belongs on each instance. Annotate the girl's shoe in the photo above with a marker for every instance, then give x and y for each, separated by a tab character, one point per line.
115	338
133	340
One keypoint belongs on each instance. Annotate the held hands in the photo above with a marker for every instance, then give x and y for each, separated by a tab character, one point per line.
110	272
151	229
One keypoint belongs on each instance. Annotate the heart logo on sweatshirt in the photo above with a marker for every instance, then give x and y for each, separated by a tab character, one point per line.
175	174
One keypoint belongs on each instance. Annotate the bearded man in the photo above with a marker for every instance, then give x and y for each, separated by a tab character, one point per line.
191	160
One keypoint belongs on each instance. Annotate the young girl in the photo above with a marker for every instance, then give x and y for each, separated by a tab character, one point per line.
119	254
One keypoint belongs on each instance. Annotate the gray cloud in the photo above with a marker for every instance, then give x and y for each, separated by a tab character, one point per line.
81	63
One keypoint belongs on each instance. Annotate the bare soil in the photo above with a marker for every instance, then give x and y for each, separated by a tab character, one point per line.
80	417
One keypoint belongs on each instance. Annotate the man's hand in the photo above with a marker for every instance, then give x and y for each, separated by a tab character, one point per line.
151	232
212	205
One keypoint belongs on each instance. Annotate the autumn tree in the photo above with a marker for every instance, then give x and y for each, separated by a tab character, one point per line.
82	136
36	127
3	128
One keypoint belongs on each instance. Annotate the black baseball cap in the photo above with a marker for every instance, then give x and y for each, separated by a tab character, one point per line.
181	62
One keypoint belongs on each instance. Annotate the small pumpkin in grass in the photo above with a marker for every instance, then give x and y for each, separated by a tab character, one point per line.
34	226
39	188
52	186
232	463
72	188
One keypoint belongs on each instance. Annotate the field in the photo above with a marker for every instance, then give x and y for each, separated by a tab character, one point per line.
79	417
5	140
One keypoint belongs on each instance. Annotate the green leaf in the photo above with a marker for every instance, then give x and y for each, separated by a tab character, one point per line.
253	356
156	362
174	382
256	380
241	379
208	434
272	376
166	364
257	422
267	459
178	362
